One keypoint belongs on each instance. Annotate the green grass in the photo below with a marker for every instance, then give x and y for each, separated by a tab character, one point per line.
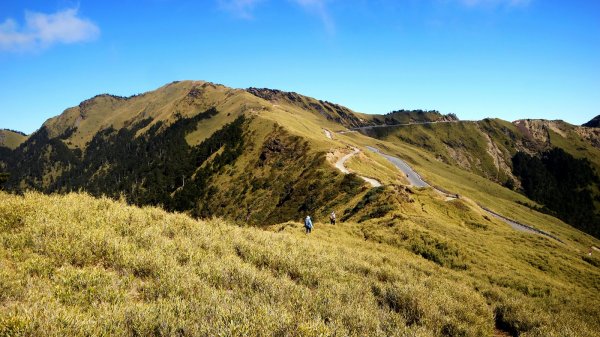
11	139
78	266
404	262
477	189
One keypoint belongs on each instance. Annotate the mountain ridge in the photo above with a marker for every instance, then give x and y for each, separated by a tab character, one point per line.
298	125
439	259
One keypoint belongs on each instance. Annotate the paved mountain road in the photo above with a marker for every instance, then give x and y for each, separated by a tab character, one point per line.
413	177
415	180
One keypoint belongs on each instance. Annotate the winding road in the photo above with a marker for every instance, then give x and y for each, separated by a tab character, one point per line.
415	180
413	177
340	166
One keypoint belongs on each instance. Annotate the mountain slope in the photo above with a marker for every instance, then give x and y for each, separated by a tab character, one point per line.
403	259
233	159
11	139
258	155
486	147
342	115
120	270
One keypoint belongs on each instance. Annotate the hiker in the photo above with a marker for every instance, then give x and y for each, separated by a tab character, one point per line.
308	224
332	217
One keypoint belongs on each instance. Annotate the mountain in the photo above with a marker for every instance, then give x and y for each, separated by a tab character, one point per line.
193	146
567	186
438	249
79	266
594	123
11	139
263	156
189	146
344	116
486	147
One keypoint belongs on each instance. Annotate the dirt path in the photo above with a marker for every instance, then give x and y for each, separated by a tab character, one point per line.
415	180
340	163
340	166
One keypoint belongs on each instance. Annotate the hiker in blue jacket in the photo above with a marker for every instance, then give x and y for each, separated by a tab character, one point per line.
308	224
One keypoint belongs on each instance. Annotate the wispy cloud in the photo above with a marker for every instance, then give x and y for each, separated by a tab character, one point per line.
42	30
510	3
240	8
244	9
319	8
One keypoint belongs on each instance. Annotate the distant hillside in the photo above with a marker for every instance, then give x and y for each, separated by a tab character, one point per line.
594	123
330	111
412	116
11	139
344	116
488	148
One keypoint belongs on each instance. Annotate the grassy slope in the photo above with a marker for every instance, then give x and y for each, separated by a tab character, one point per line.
576	146
11	139
426	246
466	144
462	144
74	265
309	126
186	98
303	147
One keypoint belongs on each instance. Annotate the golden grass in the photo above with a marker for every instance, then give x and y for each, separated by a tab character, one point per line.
78	266
10	139
373	165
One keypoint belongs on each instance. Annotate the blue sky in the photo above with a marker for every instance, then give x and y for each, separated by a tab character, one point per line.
510	59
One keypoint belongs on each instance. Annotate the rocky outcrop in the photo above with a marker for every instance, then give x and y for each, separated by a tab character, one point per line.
330	111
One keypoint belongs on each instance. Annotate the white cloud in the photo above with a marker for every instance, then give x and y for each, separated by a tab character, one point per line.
239	8
44	30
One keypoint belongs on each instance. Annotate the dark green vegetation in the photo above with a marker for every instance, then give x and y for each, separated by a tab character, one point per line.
285	182
3	178
276	183
404	261
593	123
563	184
490	147
412	116
147	169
